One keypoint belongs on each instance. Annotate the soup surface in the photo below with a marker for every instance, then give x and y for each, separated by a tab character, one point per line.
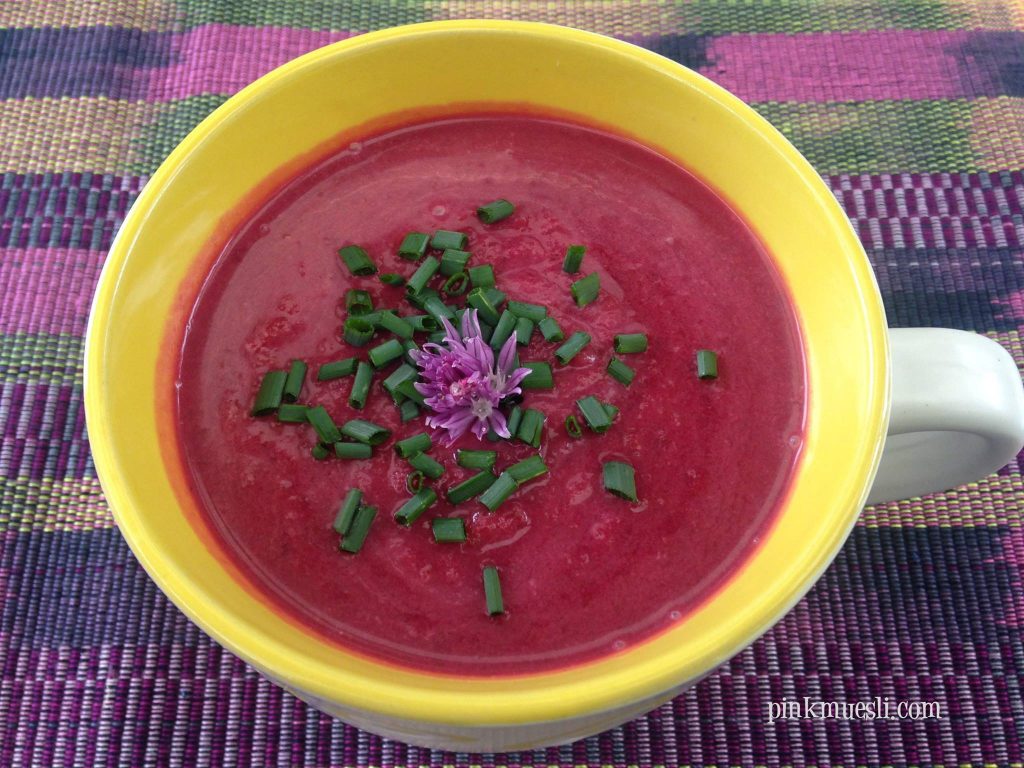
583	573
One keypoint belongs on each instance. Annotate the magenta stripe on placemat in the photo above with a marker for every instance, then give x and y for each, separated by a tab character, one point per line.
47	290
220	58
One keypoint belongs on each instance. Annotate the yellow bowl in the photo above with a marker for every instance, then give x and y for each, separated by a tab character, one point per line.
262	135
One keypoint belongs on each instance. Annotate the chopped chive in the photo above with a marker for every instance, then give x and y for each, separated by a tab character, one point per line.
492	436
324	425
407	389
352	451
360	386
358	302
611	410
496	211
356	536
479	300
539	377
414	245
492	591
573	258
370	317
391	278
572	426
476	459
444	239
515	418
396	325
270	393
496	297
506	327
427	465
409	512
320	451
413	445
620	480
414	481
409	346
448	530
482	276
422	323
572	347
621	372
585	290
422	275
528	469
357	331
707	364
365	431
630	343
594	414
498	491
524	330
417	299
454	261
531	427
347	511
357	260
408	411
438	309
383	354
337	369
485	332
455	285
535	312
473	486
293	383
550	329
290	413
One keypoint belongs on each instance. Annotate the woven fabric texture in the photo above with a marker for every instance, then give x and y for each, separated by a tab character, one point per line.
912	111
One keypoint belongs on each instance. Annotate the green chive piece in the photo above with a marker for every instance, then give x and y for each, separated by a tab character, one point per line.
360	386
352	451
417	299
585	290
357	331
391	278
515	418
293	383
707	364
473	486
630	343
270	393
321	451
358	302
337	369
594	414
620	480
524	330
485	332
528	469
407	389
573	258
496	297
621	372
550	329
448	530
290	413
357	260
539	377
535	312
324	425
422	323
456	285
572	347
427	465
611	410
396	325
422	275
414	481
572	426
383	354
408	411
496	211
482	276
409	512
476	459
410	446
414	245
347	511
492	591
365	431
454	261
445	239
480	301
438	309
506	327
409	346
356	536
499	491
531	427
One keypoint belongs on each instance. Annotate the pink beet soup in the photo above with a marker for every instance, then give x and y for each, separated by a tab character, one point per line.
584	574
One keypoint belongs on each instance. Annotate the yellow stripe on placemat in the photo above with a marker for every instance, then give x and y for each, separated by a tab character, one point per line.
154	16
643	17
53	505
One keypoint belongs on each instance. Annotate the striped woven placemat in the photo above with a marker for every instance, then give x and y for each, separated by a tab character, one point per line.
912	110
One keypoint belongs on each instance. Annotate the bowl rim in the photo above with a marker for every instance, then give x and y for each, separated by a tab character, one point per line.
599	694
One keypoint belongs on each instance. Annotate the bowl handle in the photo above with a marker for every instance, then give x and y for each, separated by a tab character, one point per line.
957	412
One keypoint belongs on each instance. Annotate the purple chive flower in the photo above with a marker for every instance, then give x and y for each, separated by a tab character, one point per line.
463	384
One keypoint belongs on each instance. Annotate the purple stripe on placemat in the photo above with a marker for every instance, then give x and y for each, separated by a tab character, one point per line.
42	430
47	290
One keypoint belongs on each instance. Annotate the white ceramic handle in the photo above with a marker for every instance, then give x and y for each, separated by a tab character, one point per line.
957	412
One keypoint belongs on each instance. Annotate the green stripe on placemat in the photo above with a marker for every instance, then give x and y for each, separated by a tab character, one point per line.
66	504
41	358
360	15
